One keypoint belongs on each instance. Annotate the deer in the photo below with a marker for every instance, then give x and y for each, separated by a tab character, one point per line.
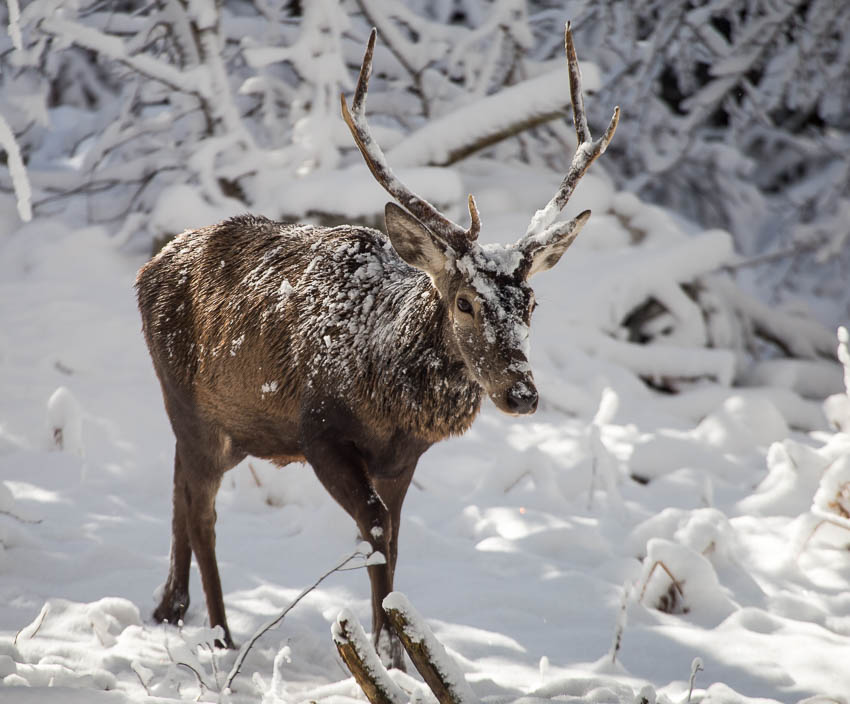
342	347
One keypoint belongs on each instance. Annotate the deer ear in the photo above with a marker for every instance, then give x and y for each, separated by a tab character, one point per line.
543	251
413	241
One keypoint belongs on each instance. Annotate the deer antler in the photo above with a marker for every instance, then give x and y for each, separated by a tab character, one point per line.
586	152
451	233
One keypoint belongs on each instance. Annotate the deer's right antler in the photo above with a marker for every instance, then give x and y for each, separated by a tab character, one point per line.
450	232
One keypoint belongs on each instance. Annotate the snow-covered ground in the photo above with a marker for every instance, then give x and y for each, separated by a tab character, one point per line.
530	545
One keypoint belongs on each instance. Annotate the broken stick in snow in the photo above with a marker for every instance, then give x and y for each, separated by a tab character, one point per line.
429	656
359	655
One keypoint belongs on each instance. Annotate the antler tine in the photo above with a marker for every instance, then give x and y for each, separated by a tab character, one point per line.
576	97
587	150
358	103
448	231
474	220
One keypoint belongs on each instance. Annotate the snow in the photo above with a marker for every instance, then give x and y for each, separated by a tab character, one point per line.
702	533
516	541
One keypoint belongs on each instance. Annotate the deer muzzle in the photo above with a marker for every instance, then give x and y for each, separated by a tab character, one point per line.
521	398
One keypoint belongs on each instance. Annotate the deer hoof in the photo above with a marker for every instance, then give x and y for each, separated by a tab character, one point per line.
171	609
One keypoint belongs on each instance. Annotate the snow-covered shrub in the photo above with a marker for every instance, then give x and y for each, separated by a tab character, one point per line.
677	579
65	422
837	406
832	498
732	115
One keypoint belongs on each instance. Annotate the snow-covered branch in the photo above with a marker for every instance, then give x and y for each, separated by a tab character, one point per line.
20	181
462	132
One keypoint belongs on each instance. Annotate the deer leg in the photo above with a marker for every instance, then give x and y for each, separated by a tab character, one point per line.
392	491
343	472
201	516
175	596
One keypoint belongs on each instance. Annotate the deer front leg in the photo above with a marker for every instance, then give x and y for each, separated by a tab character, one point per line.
344	473
392	491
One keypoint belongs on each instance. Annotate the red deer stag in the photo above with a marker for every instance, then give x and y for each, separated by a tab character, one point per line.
343	347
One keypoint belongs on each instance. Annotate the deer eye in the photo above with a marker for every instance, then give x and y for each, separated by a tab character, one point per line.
463	305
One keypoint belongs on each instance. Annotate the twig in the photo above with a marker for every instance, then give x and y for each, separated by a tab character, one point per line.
31	521
134	667
823	520
516	481
203	685
593	465
254	474
41	616
214	663
771	256
696	666
243	652
621	622
200	679
659	563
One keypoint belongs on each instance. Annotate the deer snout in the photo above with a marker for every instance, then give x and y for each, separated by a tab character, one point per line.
522	398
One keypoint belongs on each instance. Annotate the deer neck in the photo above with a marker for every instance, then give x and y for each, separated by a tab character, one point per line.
426	385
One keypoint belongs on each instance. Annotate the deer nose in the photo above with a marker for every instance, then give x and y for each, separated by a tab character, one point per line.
522	398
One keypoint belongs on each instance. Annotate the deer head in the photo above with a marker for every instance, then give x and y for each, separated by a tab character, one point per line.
485	289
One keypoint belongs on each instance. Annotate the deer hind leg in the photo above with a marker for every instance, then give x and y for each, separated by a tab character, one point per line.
196	482
200	491
175	597
343	472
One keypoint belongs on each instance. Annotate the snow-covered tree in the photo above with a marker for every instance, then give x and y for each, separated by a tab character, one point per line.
733	116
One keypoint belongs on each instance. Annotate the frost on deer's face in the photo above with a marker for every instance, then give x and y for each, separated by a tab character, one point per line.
490	305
